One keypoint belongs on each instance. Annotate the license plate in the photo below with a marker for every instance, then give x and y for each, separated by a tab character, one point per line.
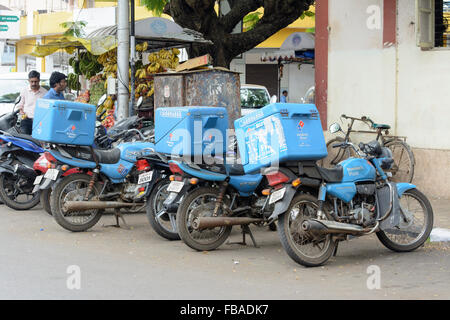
51	174
38	179
145	177
277	195
175	186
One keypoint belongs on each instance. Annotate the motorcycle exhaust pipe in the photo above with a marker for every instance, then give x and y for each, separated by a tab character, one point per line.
90	205
24	171
212	222
323	227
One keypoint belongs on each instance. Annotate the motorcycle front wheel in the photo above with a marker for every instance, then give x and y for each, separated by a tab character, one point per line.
200	203
164	223
16	192
73	188
415	224
299	245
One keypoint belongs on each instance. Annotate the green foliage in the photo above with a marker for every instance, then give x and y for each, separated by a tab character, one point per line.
251	19
74	29
156	6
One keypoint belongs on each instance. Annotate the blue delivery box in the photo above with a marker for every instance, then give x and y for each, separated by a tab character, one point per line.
191	131
278	133
64	122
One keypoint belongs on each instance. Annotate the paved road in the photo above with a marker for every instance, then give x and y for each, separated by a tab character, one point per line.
35	255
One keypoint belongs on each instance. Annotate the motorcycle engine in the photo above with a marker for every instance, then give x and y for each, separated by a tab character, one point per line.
363	215
130	191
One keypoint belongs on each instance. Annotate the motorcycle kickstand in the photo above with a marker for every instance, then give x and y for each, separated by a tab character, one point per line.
246	230
336	249
118	215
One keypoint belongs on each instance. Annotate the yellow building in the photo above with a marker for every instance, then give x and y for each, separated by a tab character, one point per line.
42	28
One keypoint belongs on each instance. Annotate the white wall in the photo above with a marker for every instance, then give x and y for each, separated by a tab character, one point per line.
407	88
423	87
299	80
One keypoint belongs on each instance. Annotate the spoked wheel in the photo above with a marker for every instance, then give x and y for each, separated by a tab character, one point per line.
16	192
201	203
164	223
303	248
335	155
415	225
73	188
403	168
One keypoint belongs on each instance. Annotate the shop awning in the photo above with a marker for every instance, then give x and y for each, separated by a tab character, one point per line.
297	47
96	45
160	33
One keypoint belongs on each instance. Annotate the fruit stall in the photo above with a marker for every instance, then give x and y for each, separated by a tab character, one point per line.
94	61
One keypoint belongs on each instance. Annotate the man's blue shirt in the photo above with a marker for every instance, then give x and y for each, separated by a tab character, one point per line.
52	94
283	99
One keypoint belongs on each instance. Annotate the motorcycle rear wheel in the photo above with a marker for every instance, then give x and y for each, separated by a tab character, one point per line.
62	192
298	244
13	197
162	222
201	202
396	240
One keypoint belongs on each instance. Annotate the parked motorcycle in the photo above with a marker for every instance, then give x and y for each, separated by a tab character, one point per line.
104	139
17	155
222	199
325	206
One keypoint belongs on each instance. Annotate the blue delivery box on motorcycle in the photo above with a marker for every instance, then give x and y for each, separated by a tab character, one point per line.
64	122
278	133
191	131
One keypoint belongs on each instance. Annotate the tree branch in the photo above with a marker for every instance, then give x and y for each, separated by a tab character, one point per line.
239	9
277	15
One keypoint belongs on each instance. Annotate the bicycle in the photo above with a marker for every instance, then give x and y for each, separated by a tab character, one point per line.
403	168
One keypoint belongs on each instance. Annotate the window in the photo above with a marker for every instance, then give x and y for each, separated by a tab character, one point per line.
432	23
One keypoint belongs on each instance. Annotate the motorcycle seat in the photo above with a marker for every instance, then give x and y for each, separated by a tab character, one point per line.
332	175
236	170
27	137
110	156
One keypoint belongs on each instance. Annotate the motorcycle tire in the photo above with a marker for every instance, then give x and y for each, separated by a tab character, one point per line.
56	203
153	206
286	228
45	200
394	245
5	180
184	221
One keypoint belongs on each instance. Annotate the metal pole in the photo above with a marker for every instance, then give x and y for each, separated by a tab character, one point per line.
123	58
133	58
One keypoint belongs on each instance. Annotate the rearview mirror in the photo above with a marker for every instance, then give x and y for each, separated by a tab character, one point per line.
335	127
101	100
139	102
17	99
273	99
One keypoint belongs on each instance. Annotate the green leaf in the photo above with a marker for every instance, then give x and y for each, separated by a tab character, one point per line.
156	6
251	19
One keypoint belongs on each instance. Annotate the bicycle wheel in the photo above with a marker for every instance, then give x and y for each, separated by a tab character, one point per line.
403	168
335	155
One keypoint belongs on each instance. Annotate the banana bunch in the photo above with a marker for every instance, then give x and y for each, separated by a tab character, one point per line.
86	64
107	105
142	47
72	82
141	73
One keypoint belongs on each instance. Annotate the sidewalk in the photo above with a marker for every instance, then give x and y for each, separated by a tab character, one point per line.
441	210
